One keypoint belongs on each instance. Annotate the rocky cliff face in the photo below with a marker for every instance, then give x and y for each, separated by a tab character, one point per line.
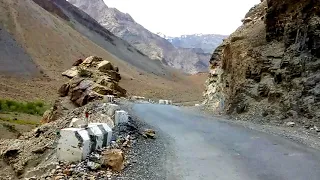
207	42
269	69
154	46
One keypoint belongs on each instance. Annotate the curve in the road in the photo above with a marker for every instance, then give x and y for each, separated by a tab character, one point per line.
205	148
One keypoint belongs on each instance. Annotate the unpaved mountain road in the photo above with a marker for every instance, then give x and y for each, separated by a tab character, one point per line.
200	147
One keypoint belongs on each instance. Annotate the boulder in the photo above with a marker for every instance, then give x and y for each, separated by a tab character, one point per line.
64	89
105	66
77	62
90	60
149	133
113	158
114	75
102	90
71	73
103	80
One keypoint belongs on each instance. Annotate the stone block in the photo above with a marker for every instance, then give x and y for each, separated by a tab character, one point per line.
106	131
74	145
121	117
97	137
77	123
109	98
111	109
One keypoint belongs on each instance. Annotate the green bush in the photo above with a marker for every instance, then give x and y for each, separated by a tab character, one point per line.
34	108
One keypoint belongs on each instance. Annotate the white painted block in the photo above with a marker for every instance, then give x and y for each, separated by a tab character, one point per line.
106	131
109	98
96	137
121	117
106	119
161	101
111	109
73	145
77	123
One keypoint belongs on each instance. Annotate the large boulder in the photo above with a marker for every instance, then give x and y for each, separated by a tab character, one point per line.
103	80
105	66
113	158
71	73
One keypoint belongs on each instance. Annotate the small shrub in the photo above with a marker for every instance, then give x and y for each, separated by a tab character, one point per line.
84	73
34	108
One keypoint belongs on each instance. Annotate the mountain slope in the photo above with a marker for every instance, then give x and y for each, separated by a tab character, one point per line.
269	69
207	42
50	35
152	45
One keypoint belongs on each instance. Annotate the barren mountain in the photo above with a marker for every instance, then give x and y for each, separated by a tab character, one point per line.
269	68
207	42
39	39
154	46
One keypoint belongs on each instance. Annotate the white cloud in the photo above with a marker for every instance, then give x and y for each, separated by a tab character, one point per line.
177	17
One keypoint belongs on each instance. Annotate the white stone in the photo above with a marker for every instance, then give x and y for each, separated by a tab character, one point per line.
197	105
73	145
290	124
111	109
96	136
107	132
106	119
121	117
161	101
109	98
70	73
77	123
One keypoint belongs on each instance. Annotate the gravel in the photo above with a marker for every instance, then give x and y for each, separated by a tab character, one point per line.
148	155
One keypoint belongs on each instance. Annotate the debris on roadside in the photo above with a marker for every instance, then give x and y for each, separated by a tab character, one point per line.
149	133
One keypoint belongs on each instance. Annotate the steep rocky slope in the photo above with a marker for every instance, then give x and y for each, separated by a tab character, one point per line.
42	38
207	42
154	46
268	69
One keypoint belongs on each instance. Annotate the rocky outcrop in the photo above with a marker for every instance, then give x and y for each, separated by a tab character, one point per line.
269	68
91	80
148	43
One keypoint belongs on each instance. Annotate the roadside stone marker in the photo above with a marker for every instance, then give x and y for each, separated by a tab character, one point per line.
74	145
111	109
107	132
121	117
109	98
96	137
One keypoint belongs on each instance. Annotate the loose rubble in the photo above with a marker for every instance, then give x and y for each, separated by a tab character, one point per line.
91	80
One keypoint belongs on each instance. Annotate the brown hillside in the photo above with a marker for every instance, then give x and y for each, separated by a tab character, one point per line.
54	43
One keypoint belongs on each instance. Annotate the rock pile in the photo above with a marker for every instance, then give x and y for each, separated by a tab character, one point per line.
91	79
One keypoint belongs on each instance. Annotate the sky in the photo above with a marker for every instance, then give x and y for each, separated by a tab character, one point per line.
180	17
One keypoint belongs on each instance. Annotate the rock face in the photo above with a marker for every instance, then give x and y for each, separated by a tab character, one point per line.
152	45
270	65
91	80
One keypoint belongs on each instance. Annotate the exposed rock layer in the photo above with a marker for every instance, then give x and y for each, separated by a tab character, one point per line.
269	69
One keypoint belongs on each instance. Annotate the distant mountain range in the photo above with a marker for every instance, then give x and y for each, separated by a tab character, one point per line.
207	42
154	46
